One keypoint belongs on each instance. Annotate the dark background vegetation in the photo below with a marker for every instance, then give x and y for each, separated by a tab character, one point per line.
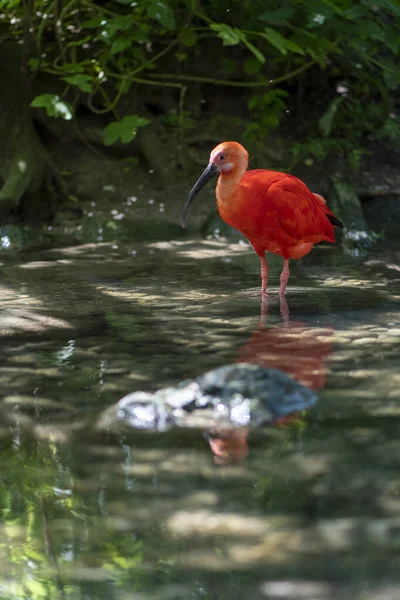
120	93
109	101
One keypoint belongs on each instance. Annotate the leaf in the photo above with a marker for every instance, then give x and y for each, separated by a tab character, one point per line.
36	588
254	50
93	23
265	101
387	35
391	76
317	47
112	26
276	16
320	12
293	47
251	66
83	82
356	12
280	43
369	29
228	35
125	129
34	63
391	40
231	37
69	68
120	44
355	157
188	37
162	12
122	561
55	107
121	23
276	39
390	5
140	33
325	122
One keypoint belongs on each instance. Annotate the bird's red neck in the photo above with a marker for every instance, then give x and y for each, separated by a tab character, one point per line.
228	182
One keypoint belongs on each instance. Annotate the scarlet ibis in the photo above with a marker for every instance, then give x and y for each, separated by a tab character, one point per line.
276	212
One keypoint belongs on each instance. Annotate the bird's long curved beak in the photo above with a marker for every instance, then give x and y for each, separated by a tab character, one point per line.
208	174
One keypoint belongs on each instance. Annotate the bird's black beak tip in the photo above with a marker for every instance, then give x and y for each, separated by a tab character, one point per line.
208	174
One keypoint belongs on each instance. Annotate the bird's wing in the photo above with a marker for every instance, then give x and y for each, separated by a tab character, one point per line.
301	214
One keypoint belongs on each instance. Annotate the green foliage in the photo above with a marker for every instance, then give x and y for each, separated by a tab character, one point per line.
319	149
266	111
37	491
182	120
390	131
231	37
162	12
101	50
54	106
83	82
282	44
125	129
326	121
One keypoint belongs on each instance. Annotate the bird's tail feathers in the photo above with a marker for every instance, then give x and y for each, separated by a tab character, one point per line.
333	220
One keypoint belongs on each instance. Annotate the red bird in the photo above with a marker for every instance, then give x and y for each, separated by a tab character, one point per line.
275	211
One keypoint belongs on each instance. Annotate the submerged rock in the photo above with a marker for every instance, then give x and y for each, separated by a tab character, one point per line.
142	410
230	396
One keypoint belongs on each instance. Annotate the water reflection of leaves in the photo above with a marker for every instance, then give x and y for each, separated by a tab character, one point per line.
46	524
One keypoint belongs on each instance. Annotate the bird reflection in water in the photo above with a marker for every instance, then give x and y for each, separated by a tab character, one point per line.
292	346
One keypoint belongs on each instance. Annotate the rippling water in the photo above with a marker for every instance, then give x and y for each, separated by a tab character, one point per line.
312	509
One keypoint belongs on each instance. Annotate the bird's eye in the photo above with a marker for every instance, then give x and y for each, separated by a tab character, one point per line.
221	157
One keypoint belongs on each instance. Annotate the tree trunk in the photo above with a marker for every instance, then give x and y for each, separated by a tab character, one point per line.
26	171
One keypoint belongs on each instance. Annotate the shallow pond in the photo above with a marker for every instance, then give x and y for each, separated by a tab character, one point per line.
312	509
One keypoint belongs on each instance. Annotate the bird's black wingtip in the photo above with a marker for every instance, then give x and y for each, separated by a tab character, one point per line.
335	221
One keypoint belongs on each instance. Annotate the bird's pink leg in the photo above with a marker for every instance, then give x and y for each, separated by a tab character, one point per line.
284	277
284	310
264	275
264	310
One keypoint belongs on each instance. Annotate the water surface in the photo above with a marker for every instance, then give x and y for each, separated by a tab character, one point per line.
312	511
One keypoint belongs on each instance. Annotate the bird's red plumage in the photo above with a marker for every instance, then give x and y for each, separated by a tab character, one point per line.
276	212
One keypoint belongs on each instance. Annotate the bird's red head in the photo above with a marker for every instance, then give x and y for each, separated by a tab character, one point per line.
226	158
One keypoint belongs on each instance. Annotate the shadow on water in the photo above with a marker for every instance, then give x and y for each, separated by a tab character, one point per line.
313	509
